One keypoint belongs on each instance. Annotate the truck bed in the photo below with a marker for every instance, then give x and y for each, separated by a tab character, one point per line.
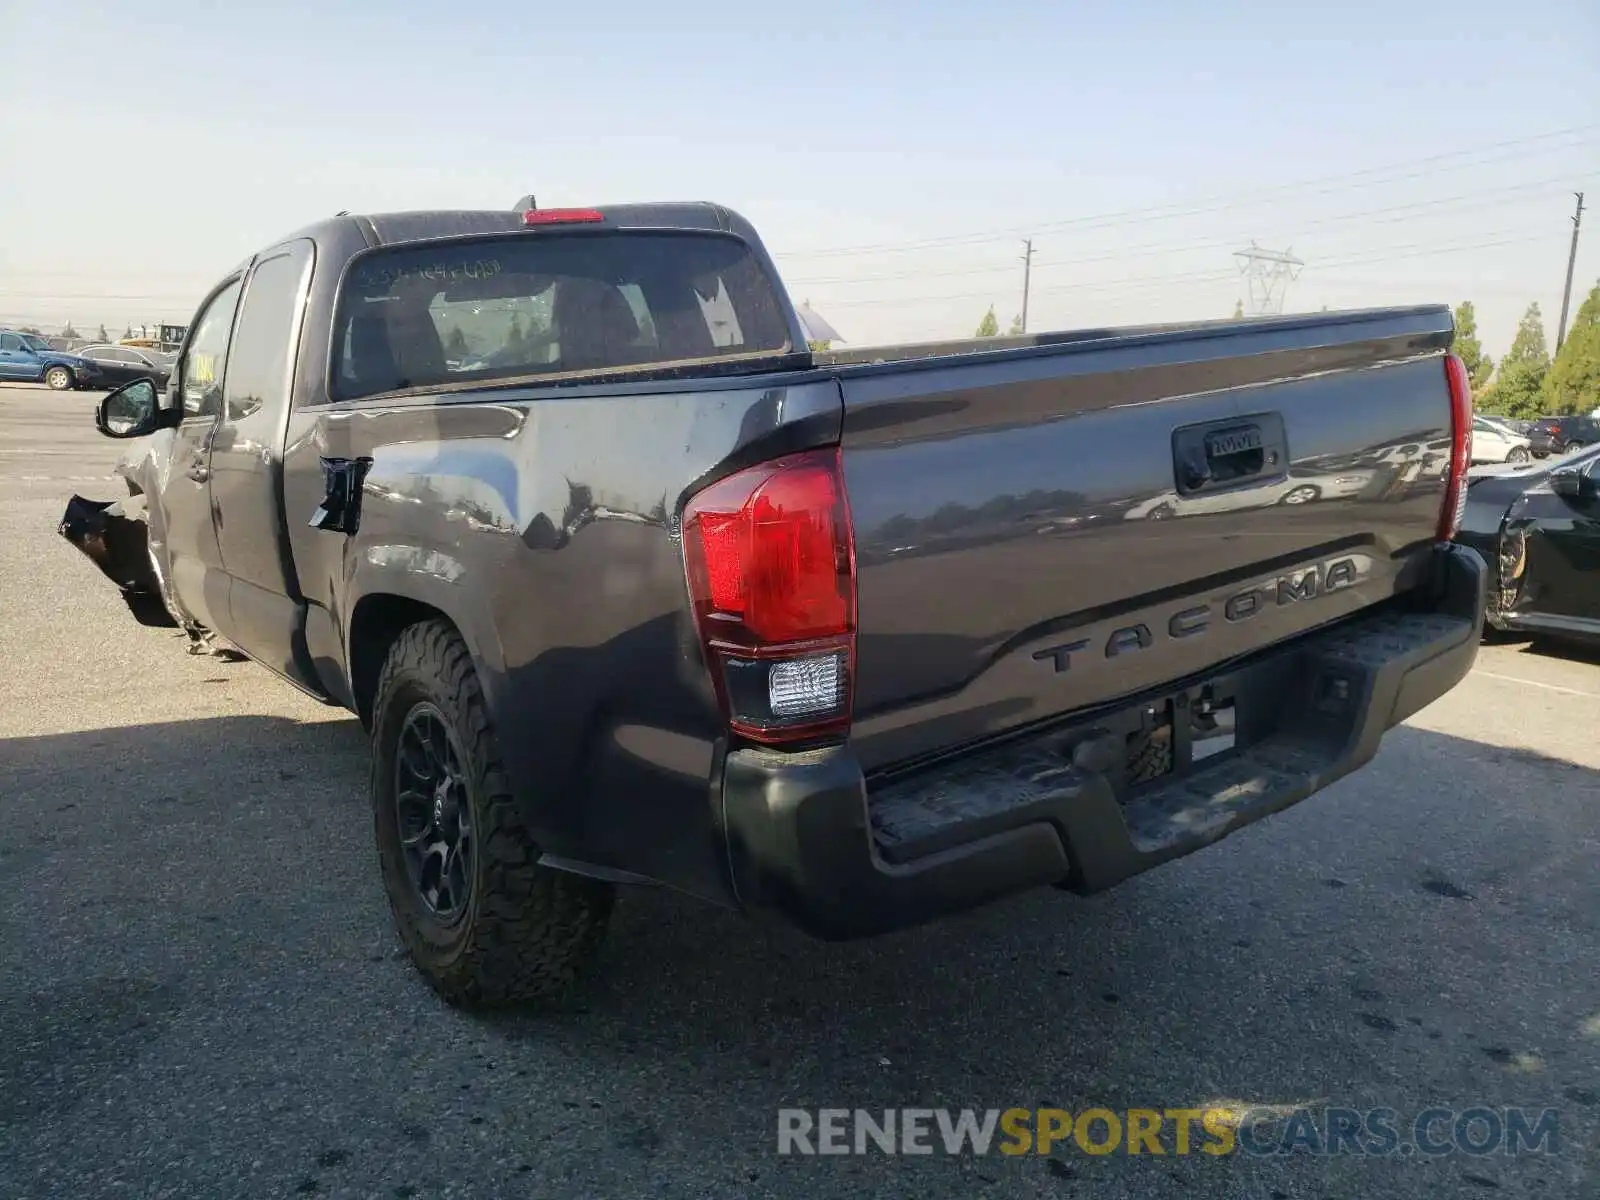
1121	335
1023	547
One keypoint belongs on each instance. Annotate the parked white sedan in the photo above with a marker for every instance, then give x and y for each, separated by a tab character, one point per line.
1493	442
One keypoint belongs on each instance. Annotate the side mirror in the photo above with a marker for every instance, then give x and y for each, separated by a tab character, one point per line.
1574	483
128	412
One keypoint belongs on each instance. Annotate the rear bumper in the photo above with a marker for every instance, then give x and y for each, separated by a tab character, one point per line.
808	838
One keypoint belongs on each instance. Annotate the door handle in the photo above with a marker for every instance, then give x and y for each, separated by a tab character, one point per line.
200	473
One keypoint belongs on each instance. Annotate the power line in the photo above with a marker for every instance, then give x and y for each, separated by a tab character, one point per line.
175	299
1424	251
1168	246
1466	286
1163	212
1404	251
1138	283
1095	286
1225	200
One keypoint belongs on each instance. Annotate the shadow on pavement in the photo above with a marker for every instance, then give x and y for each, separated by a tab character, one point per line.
1585	652
1397	940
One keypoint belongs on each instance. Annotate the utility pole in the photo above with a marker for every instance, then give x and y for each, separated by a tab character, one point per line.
1572	259
1027	280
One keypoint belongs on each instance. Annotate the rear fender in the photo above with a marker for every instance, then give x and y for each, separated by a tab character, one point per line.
432	576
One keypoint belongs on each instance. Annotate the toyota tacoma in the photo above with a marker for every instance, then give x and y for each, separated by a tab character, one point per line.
627	585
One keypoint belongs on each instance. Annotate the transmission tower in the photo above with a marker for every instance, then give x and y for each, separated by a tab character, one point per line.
1267	275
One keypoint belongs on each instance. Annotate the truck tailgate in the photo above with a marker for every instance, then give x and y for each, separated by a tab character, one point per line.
1045	530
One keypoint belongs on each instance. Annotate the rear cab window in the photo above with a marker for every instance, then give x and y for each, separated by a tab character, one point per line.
461	310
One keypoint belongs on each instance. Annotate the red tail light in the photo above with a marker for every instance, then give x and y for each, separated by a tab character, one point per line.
561	216
1455	492
771	567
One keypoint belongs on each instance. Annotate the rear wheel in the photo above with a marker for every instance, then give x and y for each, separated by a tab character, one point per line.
58	379
482	920
1518	454
1573	445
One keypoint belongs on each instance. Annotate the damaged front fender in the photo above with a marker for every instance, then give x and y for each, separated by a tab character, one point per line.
114	535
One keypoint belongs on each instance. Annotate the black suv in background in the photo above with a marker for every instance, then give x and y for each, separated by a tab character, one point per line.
1560	435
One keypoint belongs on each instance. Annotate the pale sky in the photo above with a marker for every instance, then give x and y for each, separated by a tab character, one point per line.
892	155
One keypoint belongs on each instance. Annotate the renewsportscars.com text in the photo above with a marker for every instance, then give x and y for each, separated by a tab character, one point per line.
1257	1132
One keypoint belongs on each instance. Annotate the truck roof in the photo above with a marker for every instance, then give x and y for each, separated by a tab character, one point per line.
382	229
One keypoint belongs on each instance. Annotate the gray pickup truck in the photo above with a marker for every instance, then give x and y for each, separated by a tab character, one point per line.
629	586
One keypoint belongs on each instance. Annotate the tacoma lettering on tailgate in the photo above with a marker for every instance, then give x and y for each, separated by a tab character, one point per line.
1305	583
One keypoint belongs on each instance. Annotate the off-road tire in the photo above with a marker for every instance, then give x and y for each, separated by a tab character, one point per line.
59	379
528	931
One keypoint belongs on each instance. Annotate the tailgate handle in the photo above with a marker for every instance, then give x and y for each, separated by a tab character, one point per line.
1225	453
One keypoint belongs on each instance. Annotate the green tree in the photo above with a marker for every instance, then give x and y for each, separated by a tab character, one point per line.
1238	310
990	325
819	345
128	332
456	344
1528	348
1518	389
103	336
1479	365
1016	325
1573	382
33	329
67	331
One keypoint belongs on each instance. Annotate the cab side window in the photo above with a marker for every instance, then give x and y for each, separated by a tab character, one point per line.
205	361
10	341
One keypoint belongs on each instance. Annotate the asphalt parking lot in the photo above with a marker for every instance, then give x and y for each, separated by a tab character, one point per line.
201	994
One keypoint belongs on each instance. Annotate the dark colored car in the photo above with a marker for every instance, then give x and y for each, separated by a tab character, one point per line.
629	586
1562	435
124	364
27	357
1538	529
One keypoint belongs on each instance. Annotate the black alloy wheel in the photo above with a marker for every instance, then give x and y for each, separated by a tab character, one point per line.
433	814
